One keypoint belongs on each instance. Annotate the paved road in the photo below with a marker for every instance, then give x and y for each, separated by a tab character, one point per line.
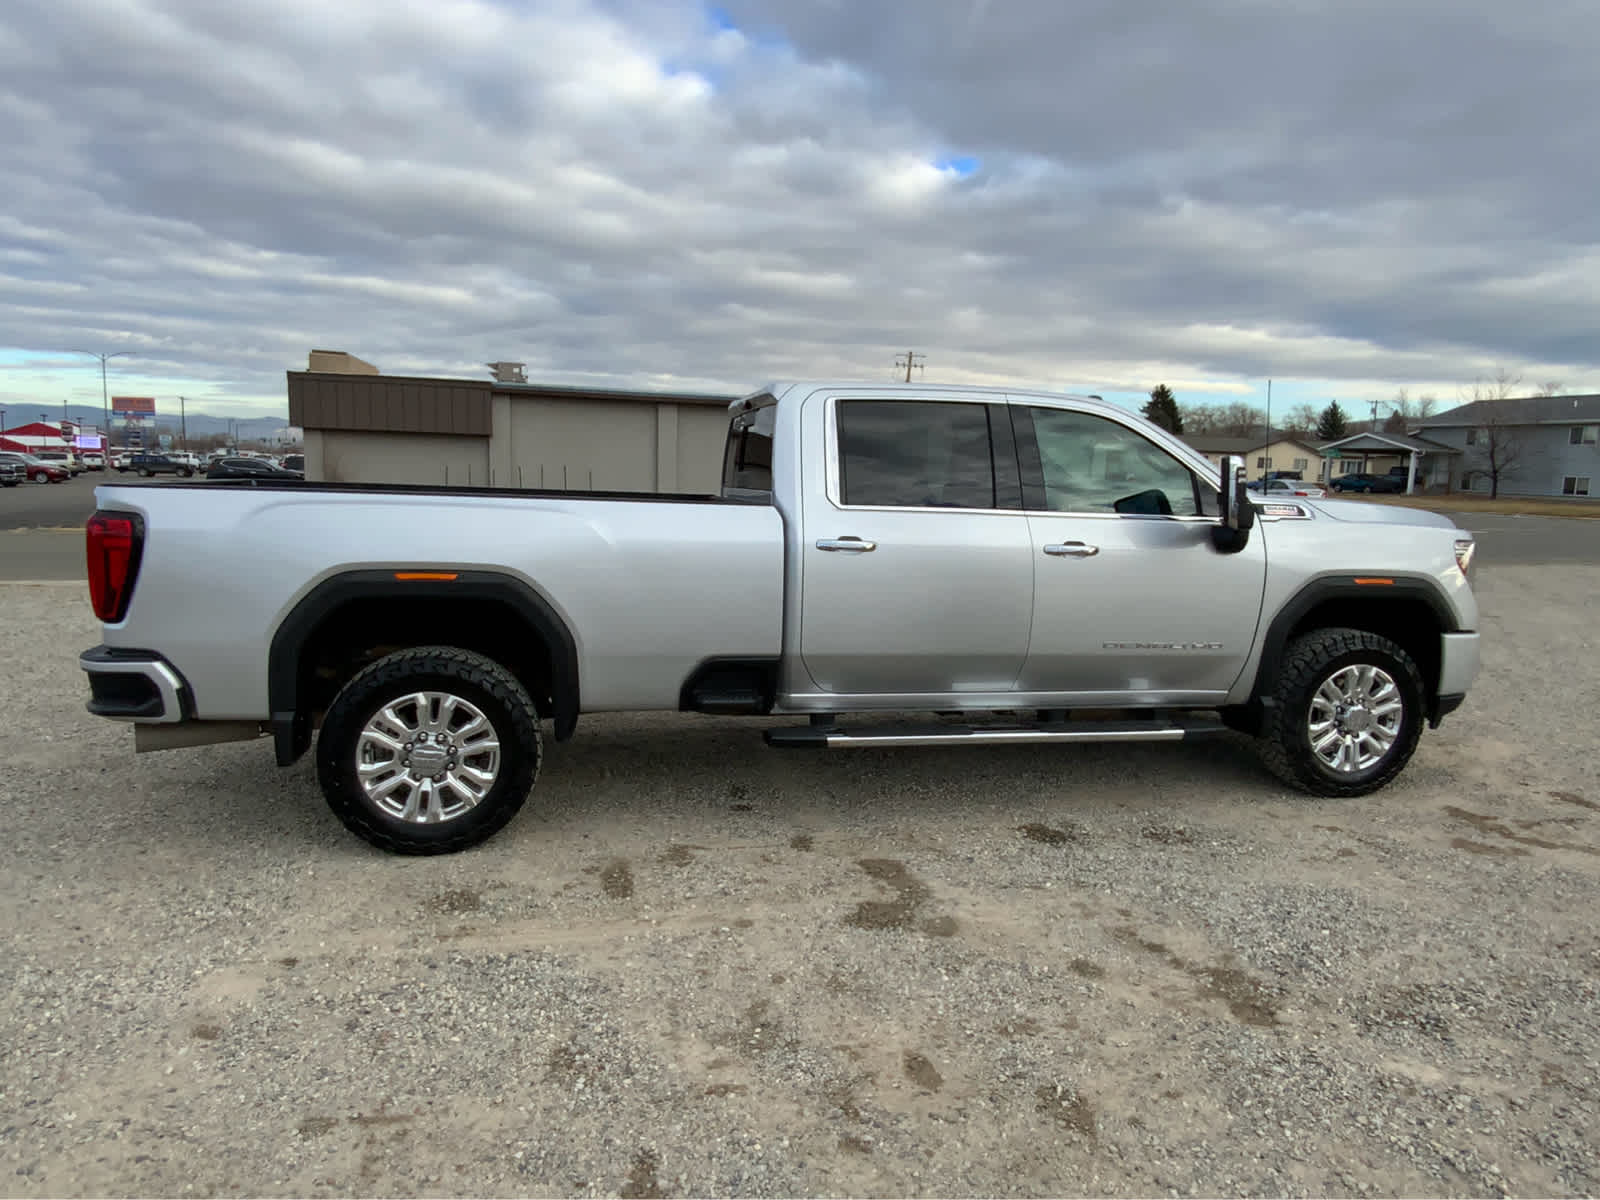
40	553
52	505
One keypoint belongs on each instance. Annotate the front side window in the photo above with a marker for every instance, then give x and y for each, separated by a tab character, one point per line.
1575	485
915	454
1094	465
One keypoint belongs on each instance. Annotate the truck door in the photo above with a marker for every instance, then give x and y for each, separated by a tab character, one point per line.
917	566
1131	601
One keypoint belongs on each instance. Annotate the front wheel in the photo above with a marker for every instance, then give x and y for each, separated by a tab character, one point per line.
429	750
1346	714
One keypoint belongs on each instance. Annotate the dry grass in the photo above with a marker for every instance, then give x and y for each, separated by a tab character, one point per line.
1458	502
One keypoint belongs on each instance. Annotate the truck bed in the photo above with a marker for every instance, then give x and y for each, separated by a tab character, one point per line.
650	585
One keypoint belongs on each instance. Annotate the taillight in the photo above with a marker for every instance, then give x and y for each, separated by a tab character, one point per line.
114	542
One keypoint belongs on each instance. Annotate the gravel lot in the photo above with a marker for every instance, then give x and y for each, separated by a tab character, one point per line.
697	966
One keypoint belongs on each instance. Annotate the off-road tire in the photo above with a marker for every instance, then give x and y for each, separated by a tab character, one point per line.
475	678
1307	662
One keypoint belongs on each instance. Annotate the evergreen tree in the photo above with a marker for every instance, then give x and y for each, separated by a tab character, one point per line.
1331	424
1162	408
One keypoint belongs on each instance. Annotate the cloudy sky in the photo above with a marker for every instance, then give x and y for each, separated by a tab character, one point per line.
1344	196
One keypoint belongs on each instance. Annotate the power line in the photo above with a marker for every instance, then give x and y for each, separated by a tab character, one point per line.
908	360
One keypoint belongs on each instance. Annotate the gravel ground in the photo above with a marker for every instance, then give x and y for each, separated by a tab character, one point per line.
694	965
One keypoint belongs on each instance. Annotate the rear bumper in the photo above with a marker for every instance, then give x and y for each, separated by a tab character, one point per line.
135	685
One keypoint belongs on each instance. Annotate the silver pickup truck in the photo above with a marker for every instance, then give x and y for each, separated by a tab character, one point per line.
1013	566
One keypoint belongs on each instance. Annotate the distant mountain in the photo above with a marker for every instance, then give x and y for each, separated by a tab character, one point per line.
248	429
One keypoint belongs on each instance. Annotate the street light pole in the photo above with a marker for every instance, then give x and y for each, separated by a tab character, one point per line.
105	403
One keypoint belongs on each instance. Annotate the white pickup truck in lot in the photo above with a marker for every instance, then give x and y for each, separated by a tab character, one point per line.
1014	566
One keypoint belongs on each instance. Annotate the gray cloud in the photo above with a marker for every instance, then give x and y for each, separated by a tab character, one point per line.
624	191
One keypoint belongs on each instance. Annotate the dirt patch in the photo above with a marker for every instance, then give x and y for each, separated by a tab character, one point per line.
316	1126
1048	835
1167	835
1066	1108
206	1033
1574	798
1495	827
726	1089
455	901
1087	968
800	841
642	1183
852	1144
616	879
911	894
289	962
680	855
920	1071
1022	1027
1246	1000
758	1031
1472	847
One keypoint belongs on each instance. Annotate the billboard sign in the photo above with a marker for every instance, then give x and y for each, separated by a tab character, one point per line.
86	441
134	406
136	437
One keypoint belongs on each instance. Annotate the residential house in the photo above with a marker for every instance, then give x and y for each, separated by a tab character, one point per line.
1544	445
1284	452
1375	453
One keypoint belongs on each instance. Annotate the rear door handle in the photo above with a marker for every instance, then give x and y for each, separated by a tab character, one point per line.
1072	550
853	544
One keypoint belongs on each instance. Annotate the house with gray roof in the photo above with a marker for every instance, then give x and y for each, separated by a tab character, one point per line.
1543	445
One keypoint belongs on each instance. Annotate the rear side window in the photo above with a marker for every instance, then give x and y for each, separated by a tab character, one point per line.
747	456
915	454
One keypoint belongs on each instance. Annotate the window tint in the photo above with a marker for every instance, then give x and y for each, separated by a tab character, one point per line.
915	454
747	457
1091	464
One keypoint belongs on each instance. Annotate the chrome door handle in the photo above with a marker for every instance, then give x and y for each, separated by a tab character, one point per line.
1072	550
853	544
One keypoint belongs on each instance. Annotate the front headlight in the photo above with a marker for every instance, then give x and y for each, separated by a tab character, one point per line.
1466	551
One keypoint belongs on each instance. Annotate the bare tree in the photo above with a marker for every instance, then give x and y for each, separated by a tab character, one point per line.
1238	418
1301	421
1405	412
1198	418
1551	387
1494	445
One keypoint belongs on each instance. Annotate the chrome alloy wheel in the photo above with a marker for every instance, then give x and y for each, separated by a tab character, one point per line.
1354	718
427	757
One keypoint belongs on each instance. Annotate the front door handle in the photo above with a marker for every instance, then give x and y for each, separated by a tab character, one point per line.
853	544
1072	550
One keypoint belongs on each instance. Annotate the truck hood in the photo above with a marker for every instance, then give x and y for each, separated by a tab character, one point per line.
1366	512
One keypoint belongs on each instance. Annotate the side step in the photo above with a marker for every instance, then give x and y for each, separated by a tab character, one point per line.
833	737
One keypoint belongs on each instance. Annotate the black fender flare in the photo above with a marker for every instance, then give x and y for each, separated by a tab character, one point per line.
291	722
1343	585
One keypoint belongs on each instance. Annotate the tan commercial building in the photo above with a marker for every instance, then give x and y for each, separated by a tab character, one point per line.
365	427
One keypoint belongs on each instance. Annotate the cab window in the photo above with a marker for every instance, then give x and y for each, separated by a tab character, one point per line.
1089	464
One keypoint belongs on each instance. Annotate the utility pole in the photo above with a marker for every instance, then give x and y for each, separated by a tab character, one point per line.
1269	425
183	425
105	404
908	360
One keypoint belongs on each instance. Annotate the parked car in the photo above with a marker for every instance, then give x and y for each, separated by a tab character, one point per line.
93	460
1063	556
1360	481
294	462
249	468
62	458
1268	488
12	472
158	464
37	470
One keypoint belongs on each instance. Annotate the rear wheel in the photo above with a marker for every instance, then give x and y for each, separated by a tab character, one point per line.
429	750
1347	713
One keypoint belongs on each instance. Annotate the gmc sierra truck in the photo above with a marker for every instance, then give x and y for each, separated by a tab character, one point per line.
982	565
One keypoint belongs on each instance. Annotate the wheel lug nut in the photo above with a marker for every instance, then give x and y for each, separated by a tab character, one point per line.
408	746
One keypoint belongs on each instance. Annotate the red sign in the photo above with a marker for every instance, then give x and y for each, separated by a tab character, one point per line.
144	406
